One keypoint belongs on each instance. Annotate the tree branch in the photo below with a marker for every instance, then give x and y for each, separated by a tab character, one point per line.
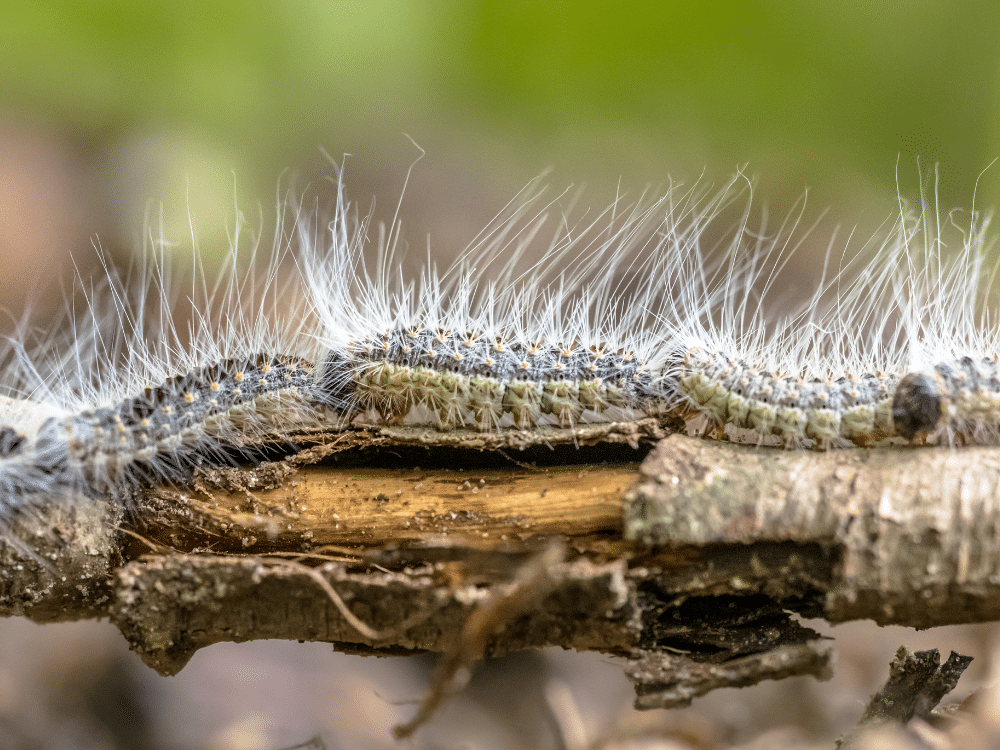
692	565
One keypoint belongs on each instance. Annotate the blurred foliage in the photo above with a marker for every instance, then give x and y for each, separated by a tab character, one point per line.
824	95
260	76
856	81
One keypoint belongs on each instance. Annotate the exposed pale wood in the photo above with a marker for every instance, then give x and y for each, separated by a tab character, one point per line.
372	508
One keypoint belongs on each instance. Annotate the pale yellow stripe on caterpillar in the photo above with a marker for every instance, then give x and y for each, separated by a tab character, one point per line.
393	391
488	383
817	413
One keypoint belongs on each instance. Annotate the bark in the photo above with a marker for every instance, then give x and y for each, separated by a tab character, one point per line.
907	536
692	565
917	683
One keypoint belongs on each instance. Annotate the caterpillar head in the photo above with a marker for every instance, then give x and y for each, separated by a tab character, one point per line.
916	405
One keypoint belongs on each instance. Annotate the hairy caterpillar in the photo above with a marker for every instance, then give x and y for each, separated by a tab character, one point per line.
657	308
692	336
126	392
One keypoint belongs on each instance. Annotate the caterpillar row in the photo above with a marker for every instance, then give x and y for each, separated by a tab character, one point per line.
622	316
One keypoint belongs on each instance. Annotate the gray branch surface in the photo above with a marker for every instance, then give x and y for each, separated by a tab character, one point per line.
692	566
900	536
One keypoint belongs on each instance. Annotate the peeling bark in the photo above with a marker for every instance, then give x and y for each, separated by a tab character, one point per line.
665	680
169	607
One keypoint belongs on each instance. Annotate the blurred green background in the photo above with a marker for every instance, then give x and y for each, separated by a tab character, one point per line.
107	106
